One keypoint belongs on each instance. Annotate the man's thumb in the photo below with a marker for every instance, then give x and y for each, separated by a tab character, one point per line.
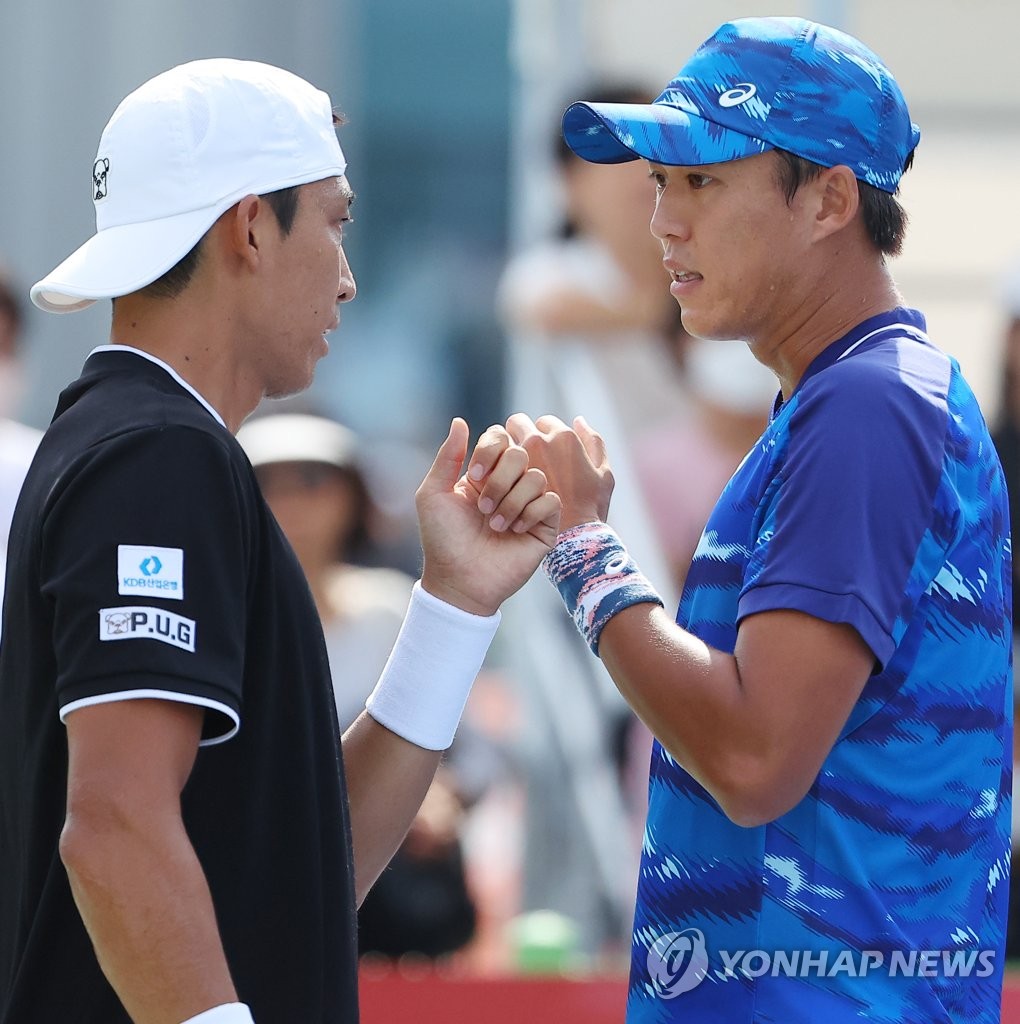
449	462
592	442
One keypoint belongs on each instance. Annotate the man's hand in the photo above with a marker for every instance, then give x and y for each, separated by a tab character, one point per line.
483	532
574	463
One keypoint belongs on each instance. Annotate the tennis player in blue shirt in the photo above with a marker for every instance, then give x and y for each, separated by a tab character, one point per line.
828	822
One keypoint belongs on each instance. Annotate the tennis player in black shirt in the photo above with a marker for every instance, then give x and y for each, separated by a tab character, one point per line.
182	835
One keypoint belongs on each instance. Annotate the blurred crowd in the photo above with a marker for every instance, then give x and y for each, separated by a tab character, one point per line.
524	853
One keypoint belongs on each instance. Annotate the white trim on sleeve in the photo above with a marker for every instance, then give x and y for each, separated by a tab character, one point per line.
228	1013
180	698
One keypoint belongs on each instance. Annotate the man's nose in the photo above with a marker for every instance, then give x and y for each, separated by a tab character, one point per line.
348	288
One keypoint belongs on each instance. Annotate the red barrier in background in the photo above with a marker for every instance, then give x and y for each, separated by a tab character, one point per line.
389	994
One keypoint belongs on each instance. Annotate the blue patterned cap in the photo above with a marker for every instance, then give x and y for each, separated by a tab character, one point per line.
760	84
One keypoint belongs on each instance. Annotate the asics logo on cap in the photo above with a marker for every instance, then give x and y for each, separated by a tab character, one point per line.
99	171
738	94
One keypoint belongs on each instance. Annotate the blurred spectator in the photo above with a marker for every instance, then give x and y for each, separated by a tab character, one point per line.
309	472
1006	437
17	442
585	312
684	461
601	282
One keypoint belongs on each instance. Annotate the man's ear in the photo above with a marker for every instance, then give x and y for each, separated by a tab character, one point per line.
837	200
242	229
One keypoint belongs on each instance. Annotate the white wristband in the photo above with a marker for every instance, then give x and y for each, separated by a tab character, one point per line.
423	688
227	1013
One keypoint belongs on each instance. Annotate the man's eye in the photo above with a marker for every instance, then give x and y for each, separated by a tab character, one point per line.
660	180
698	181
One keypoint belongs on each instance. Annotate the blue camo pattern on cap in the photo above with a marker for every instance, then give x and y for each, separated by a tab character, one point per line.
759	84
664	134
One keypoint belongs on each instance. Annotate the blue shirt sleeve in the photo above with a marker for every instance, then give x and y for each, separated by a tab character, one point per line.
842	522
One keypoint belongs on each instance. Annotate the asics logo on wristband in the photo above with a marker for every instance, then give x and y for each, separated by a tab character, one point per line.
617	564
596	578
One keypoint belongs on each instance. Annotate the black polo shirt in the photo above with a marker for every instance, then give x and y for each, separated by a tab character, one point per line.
144	562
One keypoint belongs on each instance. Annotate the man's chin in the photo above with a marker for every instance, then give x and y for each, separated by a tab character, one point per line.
288	389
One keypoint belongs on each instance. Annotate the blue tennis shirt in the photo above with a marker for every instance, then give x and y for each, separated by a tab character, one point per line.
874	498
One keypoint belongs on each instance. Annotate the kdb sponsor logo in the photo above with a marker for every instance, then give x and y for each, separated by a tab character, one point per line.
677	962
138	623
154	572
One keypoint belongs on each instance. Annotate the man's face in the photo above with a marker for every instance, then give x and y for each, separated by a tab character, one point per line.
306	276
316	506
735	250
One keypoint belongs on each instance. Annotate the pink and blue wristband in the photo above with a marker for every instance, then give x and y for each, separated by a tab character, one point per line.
596	577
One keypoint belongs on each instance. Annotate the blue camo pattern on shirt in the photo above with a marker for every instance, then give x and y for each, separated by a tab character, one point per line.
902	844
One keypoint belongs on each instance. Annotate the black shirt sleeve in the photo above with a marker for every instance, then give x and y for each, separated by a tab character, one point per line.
146	547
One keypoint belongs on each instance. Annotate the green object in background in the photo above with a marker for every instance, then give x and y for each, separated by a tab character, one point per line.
545	942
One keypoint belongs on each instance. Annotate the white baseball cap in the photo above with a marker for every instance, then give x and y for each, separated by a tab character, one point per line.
178	152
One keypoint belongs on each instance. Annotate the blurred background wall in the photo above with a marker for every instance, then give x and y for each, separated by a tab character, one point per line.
450	106
426	89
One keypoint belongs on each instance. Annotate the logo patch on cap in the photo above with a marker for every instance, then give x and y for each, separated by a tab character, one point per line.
100	169
738	94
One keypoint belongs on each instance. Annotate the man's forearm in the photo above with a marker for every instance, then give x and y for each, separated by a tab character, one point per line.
689	695
753	727
387	779
420	697
145	902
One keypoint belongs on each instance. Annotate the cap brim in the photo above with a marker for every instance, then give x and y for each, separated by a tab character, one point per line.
612	133
120	260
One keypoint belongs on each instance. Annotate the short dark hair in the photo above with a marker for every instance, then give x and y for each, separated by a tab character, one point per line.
176	279
885	221
284	205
